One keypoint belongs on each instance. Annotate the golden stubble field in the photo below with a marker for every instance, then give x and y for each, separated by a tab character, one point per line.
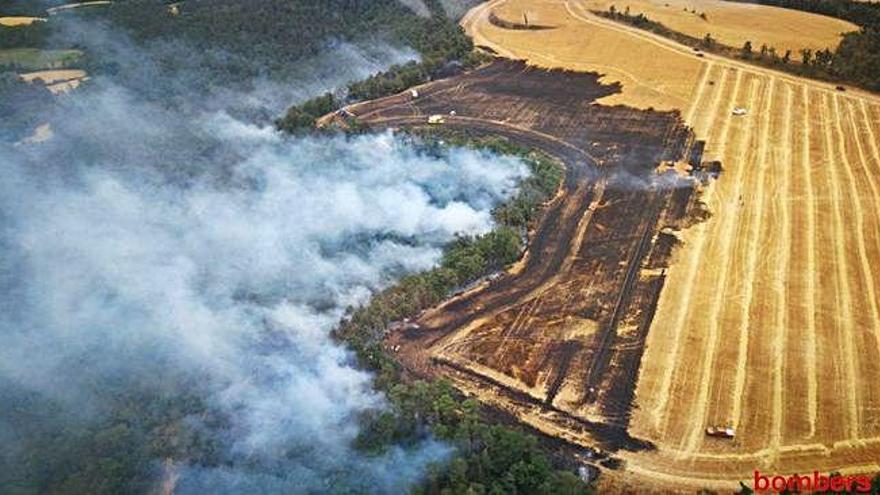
770	318
14	21
733	23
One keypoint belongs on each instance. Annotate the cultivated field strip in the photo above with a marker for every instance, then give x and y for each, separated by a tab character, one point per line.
770	318
690	272
799	374
719	394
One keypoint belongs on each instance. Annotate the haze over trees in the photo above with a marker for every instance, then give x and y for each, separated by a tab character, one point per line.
143	429
443	46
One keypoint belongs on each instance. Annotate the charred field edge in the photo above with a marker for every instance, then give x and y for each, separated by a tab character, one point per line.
416	404
558	341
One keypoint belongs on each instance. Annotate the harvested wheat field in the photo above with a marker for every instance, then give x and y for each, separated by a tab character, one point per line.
733	23
769	320
19	21
57	81
649	81
53	76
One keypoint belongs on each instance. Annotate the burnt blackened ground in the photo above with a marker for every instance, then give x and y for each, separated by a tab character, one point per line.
558	341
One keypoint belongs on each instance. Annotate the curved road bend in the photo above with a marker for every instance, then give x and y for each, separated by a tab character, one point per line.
557	235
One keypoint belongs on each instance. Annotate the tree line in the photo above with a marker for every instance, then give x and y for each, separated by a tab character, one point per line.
855	61
857	58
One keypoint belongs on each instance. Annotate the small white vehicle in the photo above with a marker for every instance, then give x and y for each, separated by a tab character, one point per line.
720	432
435	119
414	93
739	111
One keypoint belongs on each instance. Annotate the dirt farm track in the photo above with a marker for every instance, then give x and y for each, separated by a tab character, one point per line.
768	320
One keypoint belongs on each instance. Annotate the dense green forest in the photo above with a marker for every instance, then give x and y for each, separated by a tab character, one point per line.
117	454
270	37
29	36
262	39
142	424
856	60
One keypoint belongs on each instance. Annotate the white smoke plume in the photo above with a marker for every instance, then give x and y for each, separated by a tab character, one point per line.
144	243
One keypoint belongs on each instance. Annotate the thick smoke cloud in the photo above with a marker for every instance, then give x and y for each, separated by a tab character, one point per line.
149	245
182	76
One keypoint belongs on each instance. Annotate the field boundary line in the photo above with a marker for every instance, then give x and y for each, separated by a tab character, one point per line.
752	257
845	332
683	310
725	236
781	334
812	286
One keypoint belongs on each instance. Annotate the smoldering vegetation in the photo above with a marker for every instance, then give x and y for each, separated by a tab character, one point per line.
170	272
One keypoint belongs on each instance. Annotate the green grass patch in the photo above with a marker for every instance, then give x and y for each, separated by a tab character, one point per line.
36	59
